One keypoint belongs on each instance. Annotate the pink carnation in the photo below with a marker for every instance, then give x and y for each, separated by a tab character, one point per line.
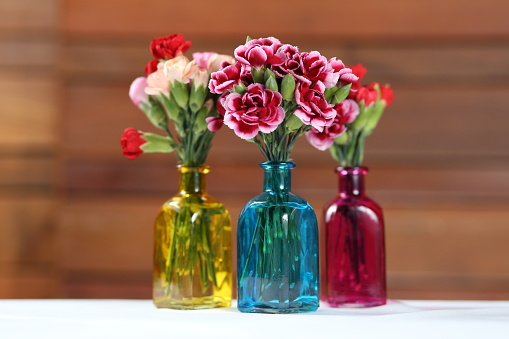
347	77
258	109
214	124
202	59
225	78
137	91
313	109
312	67
292	60
347	111
324	139
259	52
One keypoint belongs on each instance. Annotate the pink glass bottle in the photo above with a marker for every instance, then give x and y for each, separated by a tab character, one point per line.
355	251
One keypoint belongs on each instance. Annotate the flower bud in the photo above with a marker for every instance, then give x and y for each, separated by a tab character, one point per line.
288	87
200	123
271	84
268	74
197	96
137	91
258	74
172	109
341	94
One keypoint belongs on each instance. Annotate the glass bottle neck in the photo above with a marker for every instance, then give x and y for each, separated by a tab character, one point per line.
351	180
277	176
192	179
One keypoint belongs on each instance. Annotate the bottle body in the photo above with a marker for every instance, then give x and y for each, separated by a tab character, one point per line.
355	249
277	248
192	248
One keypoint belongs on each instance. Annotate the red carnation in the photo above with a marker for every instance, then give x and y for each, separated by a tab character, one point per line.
168	47
359	70
131	141
151	67
368	94
386	94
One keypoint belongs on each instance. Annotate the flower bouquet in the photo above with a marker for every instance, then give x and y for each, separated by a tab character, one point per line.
192	265
270	96
355	250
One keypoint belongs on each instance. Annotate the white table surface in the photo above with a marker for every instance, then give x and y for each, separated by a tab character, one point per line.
408	319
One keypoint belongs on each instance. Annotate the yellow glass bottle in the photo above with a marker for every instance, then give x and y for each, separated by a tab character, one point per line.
192	247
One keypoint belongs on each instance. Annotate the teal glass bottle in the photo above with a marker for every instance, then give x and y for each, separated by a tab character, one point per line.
277	248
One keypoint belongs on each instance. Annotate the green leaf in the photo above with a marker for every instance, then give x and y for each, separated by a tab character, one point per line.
329	92
248	38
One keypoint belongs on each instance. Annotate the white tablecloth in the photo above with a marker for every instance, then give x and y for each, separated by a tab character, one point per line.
408	319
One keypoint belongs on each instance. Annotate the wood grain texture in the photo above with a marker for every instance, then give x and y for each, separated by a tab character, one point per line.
439	160
28	229
28	148
347	20
429	247
28	16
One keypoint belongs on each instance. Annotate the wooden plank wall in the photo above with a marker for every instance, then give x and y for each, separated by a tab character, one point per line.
28	143
77	216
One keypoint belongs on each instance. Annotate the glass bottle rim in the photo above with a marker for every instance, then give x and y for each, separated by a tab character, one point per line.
187	168
277	165
355	170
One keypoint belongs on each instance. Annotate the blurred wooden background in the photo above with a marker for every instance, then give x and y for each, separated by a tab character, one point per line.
76	216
